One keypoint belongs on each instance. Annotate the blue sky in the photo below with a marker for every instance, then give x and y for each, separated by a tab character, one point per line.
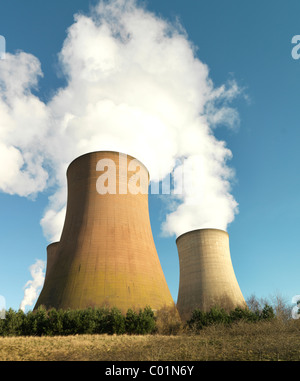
249	41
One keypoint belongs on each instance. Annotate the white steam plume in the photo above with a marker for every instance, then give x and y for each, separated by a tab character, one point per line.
33	287
23	126
134	85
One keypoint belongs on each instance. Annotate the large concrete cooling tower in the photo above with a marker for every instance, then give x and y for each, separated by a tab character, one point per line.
206	273
106	255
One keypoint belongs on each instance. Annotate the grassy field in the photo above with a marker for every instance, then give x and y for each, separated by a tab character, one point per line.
264	341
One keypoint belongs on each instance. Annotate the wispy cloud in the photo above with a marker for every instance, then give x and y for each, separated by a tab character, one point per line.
33	286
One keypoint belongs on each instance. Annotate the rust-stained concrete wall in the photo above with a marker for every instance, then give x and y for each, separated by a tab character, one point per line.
106	254
206	273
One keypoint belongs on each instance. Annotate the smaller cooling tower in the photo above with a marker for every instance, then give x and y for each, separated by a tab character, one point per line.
206	273
51	258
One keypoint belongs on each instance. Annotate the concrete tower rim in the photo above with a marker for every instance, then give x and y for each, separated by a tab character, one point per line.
105	151
53	243
200	229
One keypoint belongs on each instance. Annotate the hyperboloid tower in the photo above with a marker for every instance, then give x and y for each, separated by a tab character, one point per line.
207	277
106	255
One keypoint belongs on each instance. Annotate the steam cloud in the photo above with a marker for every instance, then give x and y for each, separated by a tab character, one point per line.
33	287
134	85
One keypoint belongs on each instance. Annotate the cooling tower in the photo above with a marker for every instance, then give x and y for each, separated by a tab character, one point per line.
51	258
206	273
106	255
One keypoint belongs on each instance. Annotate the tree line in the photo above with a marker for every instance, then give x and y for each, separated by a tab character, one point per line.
52	322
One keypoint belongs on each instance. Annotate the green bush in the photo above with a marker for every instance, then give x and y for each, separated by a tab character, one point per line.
131	322
216	315
41	322
146	321
62	322
12	325
243	314
29	324
114	322
55	326
198	320
140	323
267	313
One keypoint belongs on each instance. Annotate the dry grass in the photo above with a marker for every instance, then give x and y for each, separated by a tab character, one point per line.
276	340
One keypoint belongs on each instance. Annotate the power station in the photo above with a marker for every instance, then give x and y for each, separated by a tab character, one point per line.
106	255
207	277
